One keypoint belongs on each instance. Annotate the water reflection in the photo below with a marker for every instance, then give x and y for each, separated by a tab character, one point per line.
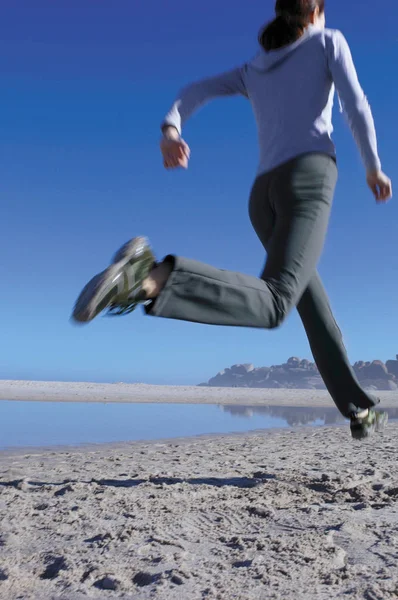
297	415
53	424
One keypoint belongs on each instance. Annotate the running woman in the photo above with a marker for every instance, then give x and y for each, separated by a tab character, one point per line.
291	85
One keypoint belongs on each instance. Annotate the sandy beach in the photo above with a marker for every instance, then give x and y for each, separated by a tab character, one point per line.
55	391
306	514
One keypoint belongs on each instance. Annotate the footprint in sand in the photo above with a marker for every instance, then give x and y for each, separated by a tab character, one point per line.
42	506
107	583
242	564
55	564
143	578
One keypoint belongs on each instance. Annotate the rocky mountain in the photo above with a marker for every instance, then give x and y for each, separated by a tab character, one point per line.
303	374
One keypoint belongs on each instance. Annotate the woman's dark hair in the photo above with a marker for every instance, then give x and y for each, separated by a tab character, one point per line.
292	16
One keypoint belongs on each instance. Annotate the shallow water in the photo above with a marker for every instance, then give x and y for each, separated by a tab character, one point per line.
53	423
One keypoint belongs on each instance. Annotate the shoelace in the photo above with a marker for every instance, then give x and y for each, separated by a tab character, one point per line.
116	310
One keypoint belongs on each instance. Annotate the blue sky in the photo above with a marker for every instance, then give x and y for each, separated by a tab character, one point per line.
83	87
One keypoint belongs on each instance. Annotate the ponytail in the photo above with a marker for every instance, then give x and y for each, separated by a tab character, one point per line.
292	17
283	30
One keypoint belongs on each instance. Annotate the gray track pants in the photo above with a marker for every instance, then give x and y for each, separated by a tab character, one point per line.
289	210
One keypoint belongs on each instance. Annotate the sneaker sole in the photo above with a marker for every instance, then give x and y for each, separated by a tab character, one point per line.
101	289
362	433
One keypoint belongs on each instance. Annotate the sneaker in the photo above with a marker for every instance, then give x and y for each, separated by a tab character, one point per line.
119	287
365	427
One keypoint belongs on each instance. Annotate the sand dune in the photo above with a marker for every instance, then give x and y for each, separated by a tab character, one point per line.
305	514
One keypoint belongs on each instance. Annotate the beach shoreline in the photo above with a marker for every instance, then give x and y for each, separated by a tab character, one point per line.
87	447
44	391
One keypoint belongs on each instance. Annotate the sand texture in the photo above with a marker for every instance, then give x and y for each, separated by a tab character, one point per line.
46	391
305	514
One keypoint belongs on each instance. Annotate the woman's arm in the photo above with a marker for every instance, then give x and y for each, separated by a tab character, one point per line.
175	150
353	100
358	113
193	96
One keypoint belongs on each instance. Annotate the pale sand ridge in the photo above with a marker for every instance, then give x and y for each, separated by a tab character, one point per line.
100	392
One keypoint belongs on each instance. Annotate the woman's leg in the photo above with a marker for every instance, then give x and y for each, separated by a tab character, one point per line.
323	333
299	196
329	352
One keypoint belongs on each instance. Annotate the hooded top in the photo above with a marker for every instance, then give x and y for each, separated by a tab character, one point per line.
291	91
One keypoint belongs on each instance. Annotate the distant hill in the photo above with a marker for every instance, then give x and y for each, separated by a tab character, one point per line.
303	374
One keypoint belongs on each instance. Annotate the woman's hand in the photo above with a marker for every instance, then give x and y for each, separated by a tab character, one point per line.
380	185
174	150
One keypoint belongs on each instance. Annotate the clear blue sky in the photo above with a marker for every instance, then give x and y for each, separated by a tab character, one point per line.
83	88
